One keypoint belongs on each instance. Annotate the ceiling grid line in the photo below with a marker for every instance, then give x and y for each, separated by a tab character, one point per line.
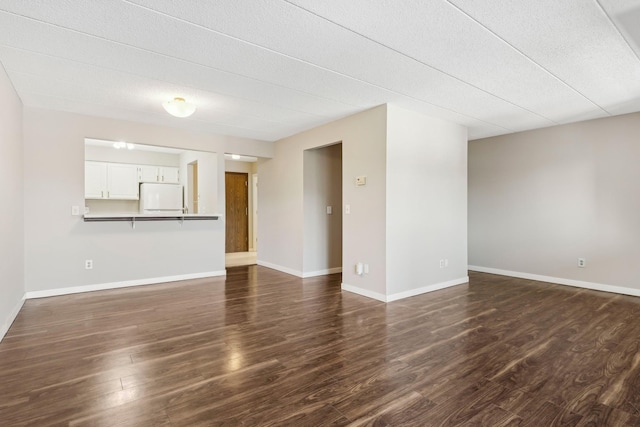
338	72
529	58
173	57
613	24
421	62
269	69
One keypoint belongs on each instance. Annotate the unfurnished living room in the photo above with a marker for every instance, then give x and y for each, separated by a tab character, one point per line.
313	213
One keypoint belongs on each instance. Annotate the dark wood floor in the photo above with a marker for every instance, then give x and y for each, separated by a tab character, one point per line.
265	348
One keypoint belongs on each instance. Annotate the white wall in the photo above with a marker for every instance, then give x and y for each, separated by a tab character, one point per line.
11	214
538	200
211	200
426	202
281	198
56	243
322	231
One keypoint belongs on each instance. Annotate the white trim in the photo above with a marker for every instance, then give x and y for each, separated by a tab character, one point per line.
405	294
280	268
364	292
11	317
559	281
429	288
322	272
124	284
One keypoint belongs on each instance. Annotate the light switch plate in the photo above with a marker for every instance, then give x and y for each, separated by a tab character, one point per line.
329	210
75	210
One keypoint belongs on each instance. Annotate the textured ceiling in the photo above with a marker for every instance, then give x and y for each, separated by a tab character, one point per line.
267	69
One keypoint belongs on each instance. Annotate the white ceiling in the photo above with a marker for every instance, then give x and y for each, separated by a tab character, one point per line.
266	69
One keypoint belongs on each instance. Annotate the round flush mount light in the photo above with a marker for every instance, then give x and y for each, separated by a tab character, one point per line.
178	107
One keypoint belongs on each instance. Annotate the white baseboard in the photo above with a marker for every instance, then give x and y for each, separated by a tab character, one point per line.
299	273
124	284
405	294
429	288
10	318
364	292
559	281
322	272
280	268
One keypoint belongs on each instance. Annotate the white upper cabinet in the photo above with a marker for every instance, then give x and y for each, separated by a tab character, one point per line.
148	173
168	174
114	181
122	181
95	180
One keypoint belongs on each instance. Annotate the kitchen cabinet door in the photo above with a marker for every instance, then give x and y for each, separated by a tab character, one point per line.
169	174
147	173
95	180
122	181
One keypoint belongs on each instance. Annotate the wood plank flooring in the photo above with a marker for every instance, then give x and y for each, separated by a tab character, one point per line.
262	348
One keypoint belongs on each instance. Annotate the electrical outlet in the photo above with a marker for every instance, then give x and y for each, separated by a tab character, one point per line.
441	263
88	264
75	210
582	263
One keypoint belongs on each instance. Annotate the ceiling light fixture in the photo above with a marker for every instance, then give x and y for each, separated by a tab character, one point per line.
122	144
178	107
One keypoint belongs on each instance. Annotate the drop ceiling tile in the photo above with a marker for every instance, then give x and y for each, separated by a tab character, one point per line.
573	39
198	45
435	33
495	67
83	49
317	41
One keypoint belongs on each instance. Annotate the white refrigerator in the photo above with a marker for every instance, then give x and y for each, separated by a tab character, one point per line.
160	199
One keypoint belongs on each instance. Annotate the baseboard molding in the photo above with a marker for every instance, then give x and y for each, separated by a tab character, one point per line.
426	289
124	284
364	292
559	281
280	268
405	294
12	316
322	272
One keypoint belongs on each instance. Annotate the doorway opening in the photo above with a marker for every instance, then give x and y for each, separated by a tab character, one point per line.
322	250
241	208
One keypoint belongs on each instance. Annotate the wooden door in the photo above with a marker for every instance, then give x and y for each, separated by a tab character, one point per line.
237	212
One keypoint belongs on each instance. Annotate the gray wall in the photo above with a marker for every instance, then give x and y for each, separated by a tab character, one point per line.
538	200
281	198
426	202
56	243
11	214
410	213
322	188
